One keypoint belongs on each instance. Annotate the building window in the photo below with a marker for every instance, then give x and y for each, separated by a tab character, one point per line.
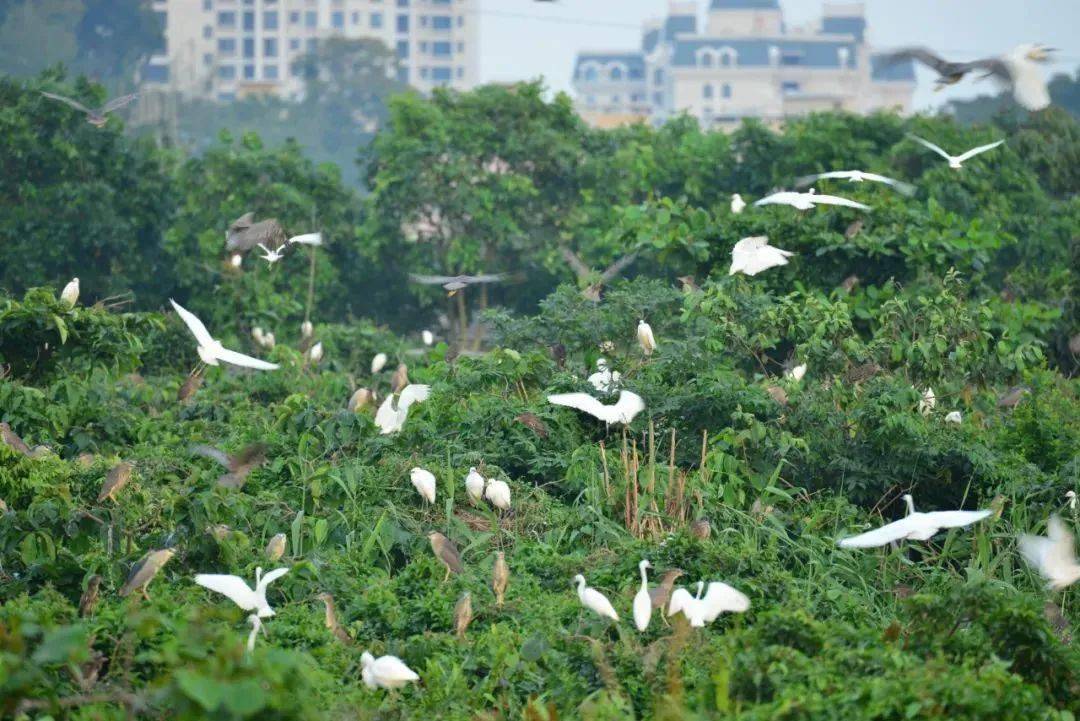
270	47
226	19
403	48
311	18
441	22
591	74
461	72
423	48
403	75
791	58
658	98
440	49
423	72
356	18
311	44
590	100
725	91
615	73
461	21
788	87
337	19
294	17
207	32
226	97
270	19
376	20
636	73
294	43
249	72
208	58
707	91
725	59
403	23
440	2
440	75
226	46
207	5
403	3
705	60
156	74
249	21
461	47
226	72
249	47
270	72
423	21
615	100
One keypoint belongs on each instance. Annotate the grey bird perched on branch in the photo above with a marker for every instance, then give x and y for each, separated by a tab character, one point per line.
239	465
143	572
454	283
97	117
116	479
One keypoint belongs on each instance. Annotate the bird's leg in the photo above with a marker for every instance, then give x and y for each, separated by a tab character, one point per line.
447	576
145	594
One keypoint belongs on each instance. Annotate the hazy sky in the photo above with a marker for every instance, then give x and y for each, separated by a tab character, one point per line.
527	39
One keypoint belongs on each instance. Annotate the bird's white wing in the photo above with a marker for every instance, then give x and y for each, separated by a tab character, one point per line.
880	536
680	600
783	197
392	668
1036	550
233	587
981	149
754	261
837	200
901	186
721	597
239	359
579	401
955	519
628	406
307	239
931	146
386	418
194	324
413	393
272	576
67	101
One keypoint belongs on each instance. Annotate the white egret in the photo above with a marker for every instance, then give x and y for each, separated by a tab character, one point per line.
427	337
754	254
796	373
234	588
594	600
306	329
236	260
211	351
385	671
258	336
306	239
269	340
1070	496
737	203
914	527
622	411
498	492
390	418
270	256
928	402
474	485
955	161
857	176
806	201
604	379
954	417
1053	555
700	610
378	363
645	337
70	293
424	482
642	600
315	353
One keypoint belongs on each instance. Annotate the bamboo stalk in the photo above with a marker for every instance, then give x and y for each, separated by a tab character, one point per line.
607	479
652	458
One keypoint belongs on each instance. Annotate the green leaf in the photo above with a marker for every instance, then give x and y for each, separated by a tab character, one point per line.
204	691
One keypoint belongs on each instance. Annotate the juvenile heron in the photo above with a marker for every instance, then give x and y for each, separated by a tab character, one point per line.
500	577
446	552
238	465
116	479
463	614
144	571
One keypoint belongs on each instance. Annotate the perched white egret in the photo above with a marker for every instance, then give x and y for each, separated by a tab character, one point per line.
427	336
1070	496
797	372
642	601
234	588
1053	555
604	379
914	527
928	402
474	485
315	353
754	254
258	336
954	417
378	363
390	418
70	293
211	351
385	671
645	337
270	256
806	201
424	482
269	341
236	260
622	411
737	203
857	176
955	161
306	329
498	492
594	600
306	239
701	610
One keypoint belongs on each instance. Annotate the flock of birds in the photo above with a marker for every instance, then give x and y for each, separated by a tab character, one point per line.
1054	555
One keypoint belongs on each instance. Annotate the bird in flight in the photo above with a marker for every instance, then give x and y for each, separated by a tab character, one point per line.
856	176
622	411
1053	555
914	526
234	588
453	283
806	201
753	255
702	610
392	413
238	465
955	161
211	351
97	117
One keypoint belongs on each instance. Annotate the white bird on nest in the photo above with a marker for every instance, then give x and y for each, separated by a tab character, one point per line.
857	176
753	255
1053	555
474	485
954	417
424	482
385	671
806	201
914	527
642	601
604	379
234	588
699	610
498	492
211	351
390	418
955	161
622	411
594	600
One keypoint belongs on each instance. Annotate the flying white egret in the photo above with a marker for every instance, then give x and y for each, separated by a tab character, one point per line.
70	293
234	588
955	161
797	372
1053	555
315	353
604	379
645	337
753	255
806	201
857	176
390	418
474	485
270	256
306	239
385	671
737	203
699	610
642	600
914	527
378	363
424	482
427	337
622	411
954	417
594	600
928	402
498	492
211	351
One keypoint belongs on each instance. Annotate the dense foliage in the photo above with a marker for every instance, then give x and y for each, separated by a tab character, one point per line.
969	287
